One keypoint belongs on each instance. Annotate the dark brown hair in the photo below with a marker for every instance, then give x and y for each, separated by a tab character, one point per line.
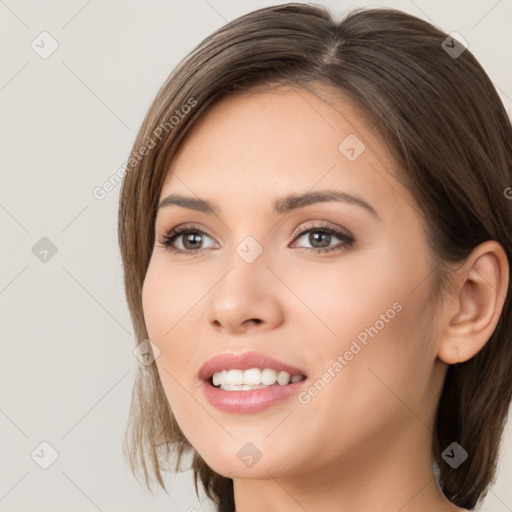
447	128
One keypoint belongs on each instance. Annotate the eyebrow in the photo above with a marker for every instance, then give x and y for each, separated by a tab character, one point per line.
281	206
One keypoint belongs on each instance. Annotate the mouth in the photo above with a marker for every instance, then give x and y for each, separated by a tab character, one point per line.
253	378
248	382
231	371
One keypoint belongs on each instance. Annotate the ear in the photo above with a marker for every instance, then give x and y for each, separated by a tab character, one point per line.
472	311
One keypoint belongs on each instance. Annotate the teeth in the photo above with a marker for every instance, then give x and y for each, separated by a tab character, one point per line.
243	387
269	376
254	378
219	377
283	378
234	377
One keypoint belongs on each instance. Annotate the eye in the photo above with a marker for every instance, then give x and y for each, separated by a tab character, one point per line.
320	238
191	238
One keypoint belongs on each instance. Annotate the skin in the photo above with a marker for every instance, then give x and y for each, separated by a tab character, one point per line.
363	442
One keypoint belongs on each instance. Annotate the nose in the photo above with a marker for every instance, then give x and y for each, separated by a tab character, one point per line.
246	297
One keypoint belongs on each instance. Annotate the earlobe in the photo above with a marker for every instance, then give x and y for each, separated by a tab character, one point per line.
482	286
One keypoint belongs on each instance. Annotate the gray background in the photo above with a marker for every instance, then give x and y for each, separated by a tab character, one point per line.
67	124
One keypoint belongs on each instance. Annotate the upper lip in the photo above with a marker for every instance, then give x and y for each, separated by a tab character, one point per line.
244	361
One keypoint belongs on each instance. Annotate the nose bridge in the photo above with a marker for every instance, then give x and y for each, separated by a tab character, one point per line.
247	242
250	250
248	270
246	291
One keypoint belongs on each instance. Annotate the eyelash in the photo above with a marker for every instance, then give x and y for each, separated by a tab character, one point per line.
173	234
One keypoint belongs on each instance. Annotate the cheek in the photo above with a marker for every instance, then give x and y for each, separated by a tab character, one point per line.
375	310
155	296
168	313
167	306
383	334
372	374
339	301
169	297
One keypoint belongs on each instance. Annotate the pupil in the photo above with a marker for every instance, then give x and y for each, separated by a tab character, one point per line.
313	237
190	239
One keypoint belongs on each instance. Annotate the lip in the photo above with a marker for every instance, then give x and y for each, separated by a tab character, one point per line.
247	401
244	361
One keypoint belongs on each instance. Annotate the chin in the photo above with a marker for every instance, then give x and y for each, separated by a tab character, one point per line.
246	459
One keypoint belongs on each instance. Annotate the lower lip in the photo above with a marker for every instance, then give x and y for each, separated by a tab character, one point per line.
249	401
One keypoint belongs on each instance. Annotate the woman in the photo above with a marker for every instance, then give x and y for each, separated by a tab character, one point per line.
314	228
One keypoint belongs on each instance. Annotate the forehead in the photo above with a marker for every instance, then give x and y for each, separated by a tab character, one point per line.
270	142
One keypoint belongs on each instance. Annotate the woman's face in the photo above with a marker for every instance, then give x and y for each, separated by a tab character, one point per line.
347	308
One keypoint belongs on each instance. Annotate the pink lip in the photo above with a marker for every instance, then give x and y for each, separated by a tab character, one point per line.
246	401
244	361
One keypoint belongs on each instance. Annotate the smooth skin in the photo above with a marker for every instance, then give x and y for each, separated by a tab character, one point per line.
363	442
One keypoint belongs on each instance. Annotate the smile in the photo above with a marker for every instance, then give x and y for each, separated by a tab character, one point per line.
248	382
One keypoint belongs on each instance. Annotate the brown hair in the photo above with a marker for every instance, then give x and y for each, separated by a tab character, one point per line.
448	130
